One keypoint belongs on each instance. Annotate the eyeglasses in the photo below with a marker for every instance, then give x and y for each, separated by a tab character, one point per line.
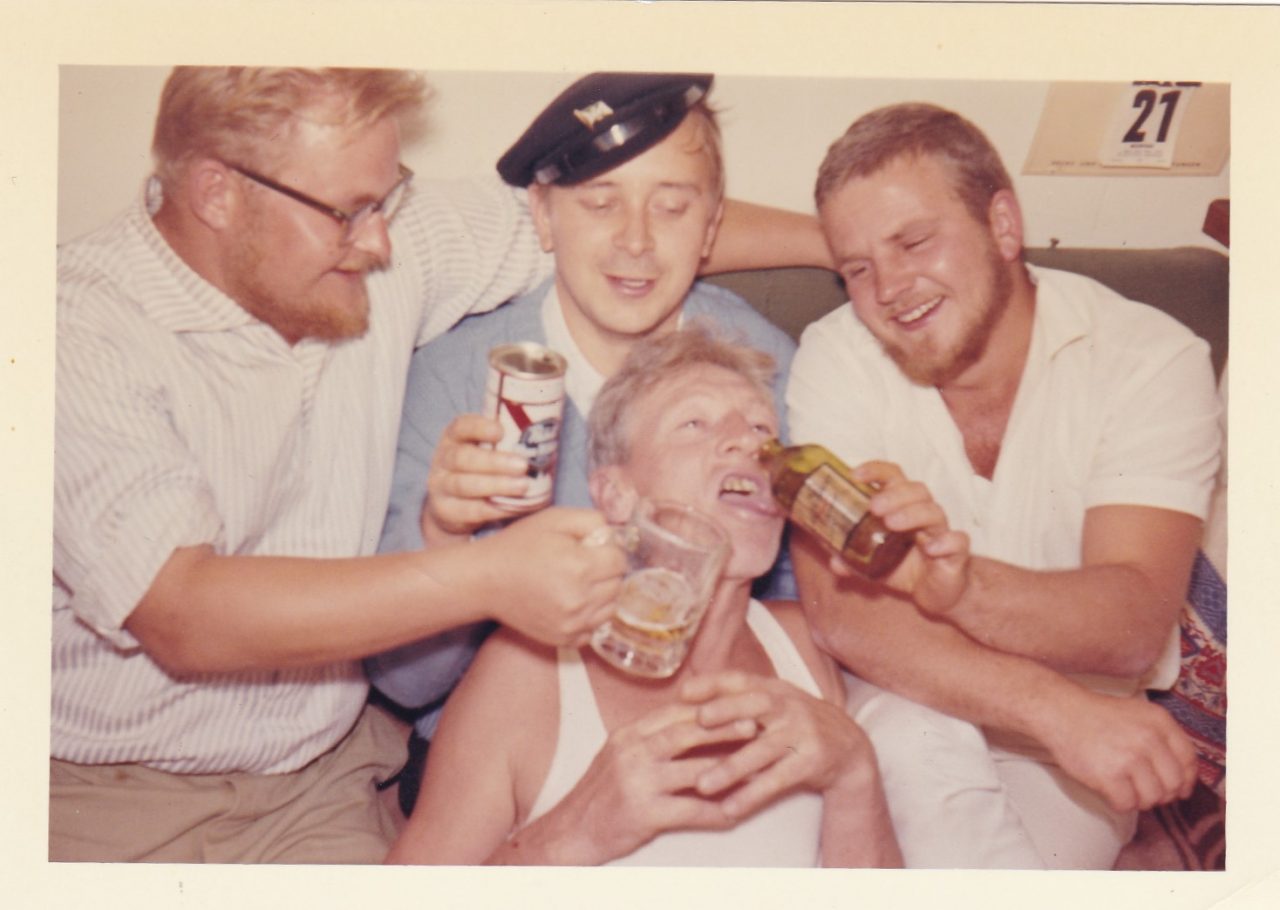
351	222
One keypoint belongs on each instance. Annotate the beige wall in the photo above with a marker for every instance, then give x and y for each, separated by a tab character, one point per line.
776	132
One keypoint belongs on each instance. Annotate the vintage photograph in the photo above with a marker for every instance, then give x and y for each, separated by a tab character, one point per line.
654	464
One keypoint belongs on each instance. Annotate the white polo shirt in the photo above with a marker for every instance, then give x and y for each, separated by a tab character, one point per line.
1117	405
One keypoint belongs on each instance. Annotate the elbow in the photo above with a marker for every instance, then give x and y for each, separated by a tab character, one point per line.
176	648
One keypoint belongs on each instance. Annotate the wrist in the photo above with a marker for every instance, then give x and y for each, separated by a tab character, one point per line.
437	532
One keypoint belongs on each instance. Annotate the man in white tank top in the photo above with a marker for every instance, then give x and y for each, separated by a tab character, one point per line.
745	756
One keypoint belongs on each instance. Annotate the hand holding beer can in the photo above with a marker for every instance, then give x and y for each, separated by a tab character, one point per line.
525	394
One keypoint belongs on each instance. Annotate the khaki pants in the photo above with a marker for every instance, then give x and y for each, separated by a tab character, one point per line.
326	812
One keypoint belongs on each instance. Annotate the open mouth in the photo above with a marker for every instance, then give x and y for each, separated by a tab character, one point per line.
918	312
632	286
747	492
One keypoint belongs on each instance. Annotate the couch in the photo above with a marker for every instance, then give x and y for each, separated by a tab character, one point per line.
1191	284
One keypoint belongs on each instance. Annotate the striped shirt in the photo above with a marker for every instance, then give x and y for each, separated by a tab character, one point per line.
181	420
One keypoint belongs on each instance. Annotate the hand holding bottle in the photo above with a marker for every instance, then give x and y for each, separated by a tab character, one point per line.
935	573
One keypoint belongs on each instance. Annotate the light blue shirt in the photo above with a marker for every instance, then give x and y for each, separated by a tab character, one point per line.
447	378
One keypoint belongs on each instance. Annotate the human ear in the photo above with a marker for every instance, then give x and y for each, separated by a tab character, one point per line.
713	228
1004	219
613	493
540	209
211	193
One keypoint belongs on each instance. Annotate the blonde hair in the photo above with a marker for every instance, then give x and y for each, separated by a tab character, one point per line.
243	114
915	129
709	142
655	360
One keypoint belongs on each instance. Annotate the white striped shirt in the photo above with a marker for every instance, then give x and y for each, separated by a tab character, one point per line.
181	420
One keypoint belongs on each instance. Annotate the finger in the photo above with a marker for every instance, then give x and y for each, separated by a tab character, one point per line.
876	472
1178	767
913	516
711	685
1120	794
673	730
752	759
940	545
476	486
470	458
687	812
471	429
754	705
578	523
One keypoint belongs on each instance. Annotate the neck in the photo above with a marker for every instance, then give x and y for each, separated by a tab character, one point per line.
722	627
998	370
192	241
604	349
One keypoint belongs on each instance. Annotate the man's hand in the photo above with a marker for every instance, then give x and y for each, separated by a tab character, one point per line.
548	584
1127	749
935	572
801	741
464	473
640	784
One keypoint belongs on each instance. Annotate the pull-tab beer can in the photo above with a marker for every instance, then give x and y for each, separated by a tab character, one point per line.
525	393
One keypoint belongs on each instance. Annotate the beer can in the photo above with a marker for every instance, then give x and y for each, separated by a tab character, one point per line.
525	393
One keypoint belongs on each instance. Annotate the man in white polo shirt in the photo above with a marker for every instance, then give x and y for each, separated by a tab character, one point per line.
1073	435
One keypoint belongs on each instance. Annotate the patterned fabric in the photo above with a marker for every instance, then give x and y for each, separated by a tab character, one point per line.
1198	700
1191	833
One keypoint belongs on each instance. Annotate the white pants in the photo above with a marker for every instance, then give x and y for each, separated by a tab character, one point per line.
958	803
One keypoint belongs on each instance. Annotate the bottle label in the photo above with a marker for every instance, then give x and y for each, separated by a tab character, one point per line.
829	506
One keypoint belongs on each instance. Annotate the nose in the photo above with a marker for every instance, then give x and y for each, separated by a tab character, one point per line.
738	434
893	278
372	237
634	233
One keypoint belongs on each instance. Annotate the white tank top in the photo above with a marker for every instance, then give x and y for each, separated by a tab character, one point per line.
783	833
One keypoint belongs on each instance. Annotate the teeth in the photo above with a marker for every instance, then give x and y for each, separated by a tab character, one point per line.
913	314
739	485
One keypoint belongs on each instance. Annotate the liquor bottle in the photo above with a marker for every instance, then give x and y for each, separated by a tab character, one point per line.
820	495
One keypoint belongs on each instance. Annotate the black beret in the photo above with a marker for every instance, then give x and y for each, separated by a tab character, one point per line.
599	122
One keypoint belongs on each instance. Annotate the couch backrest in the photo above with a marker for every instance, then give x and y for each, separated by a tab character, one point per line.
1189	283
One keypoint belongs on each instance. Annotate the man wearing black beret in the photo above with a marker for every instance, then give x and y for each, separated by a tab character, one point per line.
626	187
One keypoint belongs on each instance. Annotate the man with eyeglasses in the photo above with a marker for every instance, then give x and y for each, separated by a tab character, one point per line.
230	367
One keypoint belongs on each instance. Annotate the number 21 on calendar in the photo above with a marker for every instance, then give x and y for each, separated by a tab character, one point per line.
1143	130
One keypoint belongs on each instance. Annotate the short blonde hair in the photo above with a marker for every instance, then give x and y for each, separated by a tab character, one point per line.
709	142
915	129
655	360
241	114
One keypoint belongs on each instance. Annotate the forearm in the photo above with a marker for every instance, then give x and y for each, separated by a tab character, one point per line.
1107	619
222	613
884	639
549	840
857	832
759	237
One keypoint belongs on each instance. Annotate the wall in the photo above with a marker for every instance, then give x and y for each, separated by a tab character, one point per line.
776	131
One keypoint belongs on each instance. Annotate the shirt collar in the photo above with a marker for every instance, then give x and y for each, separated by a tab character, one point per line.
189	303
582	381
1060	319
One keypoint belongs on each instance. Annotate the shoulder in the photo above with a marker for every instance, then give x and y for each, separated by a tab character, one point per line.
509	700
790	615
1113	318
467	343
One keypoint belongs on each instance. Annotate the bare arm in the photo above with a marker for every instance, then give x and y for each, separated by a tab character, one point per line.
759	237
470	798
206	612
1112	616
1127	749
